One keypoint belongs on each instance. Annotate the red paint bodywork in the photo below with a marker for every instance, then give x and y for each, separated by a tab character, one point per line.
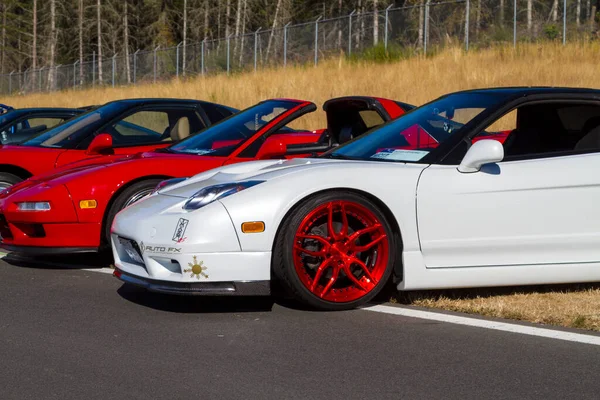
37	160
67	227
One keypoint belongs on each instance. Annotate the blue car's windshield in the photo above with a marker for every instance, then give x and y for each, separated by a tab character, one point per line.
411	137
224	138
75	129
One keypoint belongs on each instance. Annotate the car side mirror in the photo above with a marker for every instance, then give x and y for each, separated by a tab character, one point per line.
102	144
272	149
482	152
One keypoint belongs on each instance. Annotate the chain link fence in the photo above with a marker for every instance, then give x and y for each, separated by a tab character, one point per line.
423	28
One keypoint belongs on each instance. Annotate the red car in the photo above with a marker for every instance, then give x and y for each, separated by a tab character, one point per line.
71	209
119	127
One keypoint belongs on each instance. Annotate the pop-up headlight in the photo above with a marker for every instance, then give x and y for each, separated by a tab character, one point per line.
209	194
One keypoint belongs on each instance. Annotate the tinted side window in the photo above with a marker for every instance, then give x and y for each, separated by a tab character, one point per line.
154	126
546	129
27	128
574	117
48	122
145	123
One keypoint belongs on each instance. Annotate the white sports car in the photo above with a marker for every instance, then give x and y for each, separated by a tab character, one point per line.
479	188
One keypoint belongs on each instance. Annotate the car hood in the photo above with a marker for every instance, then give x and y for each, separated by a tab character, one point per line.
113	161
82	169
253	170
82	165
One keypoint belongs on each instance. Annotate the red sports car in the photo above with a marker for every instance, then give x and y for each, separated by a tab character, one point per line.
71	209
119	127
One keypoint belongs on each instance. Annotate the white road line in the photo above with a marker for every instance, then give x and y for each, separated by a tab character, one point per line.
481	323
101	270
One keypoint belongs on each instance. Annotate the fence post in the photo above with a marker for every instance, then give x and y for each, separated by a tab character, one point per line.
256	48
93	69
317	40
387	18
40	79
114	64
177	61
55	78
285	44
350	32
10	82
25	81
75	73
515	23
202	57
564	22
155	62
467	6
135	66
426	27
228	37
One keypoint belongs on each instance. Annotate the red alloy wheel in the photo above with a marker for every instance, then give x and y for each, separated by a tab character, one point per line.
340	251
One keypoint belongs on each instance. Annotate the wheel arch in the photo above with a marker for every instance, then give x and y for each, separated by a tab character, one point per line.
398	267
118	192
15	170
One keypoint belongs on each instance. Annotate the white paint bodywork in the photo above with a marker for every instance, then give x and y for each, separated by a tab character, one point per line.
511	223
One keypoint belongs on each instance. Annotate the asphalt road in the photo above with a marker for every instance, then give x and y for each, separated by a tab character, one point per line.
74	334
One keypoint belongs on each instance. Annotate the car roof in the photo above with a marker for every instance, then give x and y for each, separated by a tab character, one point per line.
531	90
158	100
41	109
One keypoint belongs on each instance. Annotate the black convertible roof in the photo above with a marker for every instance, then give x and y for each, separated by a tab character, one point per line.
158	100
530	90
41	109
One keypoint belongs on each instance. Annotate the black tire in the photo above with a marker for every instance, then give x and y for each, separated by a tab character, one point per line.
283	269
7	180
122	200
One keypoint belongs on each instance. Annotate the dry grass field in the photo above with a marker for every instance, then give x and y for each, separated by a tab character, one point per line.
416	81
572	306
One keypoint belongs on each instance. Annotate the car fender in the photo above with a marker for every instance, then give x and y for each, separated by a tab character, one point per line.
103	183
393	184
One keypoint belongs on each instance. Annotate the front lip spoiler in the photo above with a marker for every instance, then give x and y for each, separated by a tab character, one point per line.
39	250
241	288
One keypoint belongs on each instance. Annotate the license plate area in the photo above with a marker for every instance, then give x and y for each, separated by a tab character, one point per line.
130	251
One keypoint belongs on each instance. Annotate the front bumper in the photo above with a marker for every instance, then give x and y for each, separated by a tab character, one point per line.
57	230
157	246
247	288
56	238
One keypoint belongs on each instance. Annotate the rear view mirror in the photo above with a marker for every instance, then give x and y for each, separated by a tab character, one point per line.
481	152
102	144
271	148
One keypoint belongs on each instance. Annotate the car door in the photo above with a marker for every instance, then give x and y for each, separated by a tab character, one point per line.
537	206
143	129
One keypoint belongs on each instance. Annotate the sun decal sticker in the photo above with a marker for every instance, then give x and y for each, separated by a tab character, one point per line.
197	269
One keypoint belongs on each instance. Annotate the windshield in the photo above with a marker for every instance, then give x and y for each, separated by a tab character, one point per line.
223	138
71	132
412	136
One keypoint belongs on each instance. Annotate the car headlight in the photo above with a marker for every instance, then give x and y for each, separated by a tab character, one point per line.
209	194
166	183
33	206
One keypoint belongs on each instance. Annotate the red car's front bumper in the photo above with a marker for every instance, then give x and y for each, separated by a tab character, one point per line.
55	238
57	230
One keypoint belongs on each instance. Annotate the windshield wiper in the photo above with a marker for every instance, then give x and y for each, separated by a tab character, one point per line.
164	150
340	157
